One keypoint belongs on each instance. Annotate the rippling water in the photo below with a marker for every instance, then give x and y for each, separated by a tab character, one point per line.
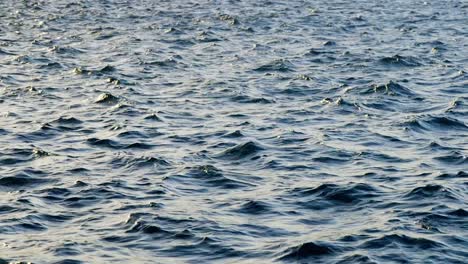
234	131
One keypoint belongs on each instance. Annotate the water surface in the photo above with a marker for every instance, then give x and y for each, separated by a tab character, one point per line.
234	131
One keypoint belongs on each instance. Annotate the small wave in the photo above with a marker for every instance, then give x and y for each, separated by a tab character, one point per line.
340	105
334	156
208	175
179	42
356	258
39	153
25	225
103	143
280	65
64	123
55	218
65	50
6	209
146	228
206	247
436	123
254	208
403	240
167	63
141	162
106	98
251	100
54	194
306	250
112	144
3	52
68	121
458	107
90	196
21	181
104	70
389	88
460	174
231	20
138	145
15	156
153	117
438	146
453	158
69	261
301	77
234	134
430	191
23	59
459	213
400	61
132	134
241	151
439	222
207	37
382	157
330	160
315	52
352	194
329	43
174	31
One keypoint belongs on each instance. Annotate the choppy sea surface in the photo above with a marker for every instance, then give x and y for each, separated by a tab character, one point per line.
234	131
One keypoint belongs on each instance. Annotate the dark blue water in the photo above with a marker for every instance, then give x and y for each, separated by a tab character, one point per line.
234	131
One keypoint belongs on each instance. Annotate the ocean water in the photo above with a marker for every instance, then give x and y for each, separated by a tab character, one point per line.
233	131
